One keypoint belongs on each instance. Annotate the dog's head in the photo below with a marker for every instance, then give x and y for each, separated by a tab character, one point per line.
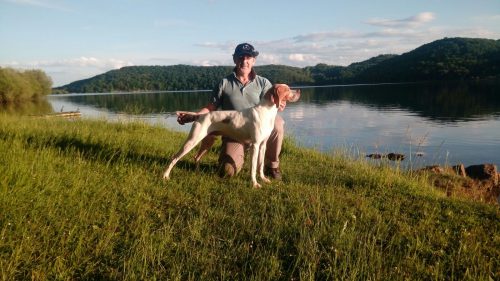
280	94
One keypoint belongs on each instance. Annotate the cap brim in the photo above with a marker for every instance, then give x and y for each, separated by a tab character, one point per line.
252	54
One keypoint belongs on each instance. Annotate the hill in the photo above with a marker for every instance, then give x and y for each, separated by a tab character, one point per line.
176	77
449	58
445	59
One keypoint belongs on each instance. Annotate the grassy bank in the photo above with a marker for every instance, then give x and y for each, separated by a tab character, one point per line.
85	200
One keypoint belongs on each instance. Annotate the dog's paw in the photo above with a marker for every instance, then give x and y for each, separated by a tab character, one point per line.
256	185
266	180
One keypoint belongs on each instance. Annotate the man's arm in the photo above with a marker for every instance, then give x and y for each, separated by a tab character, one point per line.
188	117
215	101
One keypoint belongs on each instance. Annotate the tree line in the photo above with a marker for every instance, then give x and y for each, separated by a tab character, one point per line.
19	85
444	59
177	77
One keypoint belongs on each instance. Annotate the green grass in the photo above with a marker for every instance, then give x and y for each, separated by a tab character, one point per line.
85	200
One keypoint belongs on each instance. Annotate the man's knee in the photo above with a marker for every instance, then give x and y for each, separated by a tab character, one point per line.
231	158
278	131
279	125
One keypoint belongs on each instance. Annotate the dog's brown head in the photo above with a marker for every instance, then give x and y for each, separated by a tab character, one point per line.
280	94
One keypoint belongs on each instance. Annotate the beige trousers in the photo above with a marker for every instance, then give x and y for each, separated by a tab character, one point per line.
233	152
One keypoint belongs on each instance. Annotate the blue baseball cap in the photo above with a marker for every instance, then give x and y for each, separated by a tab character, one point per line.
245	49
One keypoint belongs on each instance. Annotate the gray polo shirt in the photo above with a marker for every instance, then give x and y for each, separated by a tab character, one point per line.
231	94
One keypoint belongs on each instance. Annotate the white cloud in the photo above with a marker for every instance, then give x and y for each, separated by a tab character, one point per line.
492	18
324	36
104	64
297	57
413	21
334	47
422	18
269	58
53	5
69	70
343	47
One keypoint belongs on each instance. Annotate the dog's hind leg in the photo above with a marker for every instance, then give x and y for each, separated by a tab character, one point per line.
195	136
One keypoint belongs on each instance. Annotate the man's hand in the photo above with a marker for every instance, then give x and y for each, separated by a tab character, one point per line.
184	117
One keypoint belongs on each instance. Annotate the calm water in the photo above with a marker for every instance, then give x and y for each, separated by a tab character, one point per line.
446	123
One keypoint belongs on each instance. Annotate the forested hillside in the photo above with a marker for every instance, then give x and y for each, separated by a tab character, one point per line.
445	59
449	58
161	78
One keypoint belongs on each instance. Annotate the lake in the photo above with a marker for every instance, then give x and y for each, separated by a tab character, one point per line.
431	123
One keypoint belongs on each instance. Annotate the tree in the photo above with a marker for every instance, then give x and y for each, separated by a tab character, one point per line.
18	85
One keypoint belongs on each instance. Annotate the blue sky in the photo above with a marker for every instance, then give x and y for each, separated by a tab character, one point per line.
73	40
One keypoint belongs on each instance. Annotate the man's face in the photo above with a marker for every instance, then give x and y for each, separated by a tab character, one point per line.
244	64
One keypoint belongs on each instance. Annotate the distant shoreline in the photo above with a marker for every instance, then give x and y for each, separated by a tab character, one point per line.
202	91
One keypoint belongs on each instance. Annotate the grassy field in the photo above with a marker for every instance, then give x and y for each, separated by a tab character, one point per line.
85	200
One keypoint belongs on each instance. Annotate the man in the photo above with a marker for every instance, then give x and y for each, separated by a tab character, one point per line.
243	89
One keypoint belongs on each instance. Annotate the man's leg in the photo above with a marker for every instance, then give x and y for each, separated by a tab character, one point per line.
231	157
273	150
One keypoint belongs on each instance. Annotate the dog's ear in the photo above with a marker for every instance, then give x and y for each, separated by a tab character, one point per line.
275	98
272	95
279	93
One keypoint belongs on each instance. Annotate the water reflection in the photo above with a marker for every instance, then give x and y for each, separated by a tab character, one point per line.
446	123
36	107
439	102
145	103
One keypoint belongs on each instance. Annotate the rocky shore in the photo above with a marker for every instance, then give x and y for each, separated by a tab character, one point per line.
479	182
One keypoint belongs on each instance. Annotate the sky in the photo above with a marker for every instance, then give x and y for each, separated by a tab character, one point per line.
74	40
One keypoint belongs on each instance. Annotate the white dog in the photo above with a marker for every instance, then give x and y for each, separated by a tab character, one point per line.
252	125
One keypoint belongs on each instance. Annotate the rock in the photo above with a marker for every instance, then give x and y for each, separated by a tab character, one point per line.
396	156
477	182
459	170
434	169
374	156
454	170
391	156
419	154
483	172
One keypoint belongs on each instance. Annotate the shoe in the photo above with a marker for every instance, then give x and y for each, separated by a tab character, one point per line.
226	170
274	173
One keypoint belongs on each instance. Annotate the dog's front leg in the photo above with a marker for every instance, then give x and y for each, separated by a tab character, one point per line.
260	164
255	158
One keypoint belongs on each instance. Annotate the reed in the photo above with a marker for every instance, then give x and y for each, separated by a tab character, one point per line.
84	199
